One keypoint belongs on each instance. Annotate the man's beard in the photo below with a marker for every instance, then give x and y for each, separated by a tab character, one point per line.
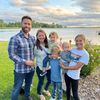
25	30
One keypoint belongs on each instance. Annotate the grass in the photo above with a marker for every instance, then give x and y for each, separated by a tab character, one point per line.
6	76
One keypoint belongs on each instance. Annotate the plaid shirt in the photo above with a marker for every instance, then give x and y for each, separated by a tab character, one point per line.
21	49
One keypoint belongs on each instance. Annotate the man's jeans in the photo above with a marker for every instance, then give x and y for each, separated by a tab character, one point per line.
18	81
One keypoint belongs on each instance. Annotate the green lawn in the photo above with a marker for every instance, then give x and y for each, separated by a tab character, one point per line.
6	76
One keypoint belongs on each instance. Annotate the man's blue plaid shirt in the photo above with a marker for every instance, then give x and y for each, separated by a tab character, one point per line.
21	49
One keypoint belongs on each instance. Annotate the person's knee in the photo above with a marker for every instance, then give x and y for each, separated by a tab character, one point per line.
28	83
15	94
16	89
49	81
41	82
59	91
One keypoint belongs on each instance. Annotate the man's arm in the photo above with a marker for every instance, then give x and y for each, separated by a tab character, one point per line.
12	51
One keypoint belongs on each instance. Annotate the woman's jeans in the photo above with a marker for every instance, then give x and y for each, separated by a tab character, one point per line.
41	80
71	83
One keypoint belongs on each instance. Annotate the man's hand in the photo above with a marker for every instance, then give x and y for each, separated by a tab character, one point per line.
29	62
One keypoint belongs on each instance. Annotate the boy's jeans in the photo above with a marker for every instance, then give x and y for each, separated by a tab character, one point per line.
18	80
57	86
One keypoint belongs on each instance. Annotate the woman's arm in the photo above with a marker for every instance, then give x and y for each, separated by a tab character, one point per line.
76	67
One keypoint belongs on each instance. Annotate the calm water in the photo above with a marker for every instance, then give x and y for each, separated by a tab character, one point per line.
65	33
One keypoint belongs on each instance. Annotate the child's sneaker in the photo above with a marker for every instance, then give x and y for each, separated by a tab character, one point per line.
46	93
41	97
43	73
52	98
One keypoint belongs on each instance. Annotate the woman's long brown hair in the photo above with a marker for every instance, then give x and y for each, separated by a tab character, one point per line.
38	42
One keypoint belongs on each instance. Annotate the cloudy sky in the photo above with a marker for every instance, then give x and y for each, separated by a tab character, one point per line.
64	12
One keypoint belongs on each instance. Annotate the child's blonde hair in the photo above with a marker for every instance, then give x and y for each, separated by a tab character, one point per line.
55	49
53	33
82	36
66	43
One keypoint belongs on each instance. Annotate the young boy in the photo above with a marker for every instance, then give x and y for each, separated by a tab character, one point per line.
80	57
56	79
52	42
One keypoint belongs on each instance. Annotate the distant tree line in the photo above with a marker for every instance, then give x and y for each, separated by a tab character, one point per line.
34	25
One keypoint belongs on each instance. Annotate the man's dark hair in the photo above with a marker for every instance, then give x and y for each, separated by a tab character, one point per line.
26	17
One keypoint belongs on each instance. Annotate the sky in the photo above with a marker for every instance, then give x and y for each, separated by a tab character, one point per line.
64	12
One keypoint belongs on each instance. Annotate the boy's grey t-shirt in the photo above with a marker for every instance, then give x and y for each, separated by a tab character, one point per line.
77	56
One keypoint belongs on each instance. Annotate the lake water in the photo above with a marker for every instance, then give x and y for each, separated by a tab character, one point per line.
65	33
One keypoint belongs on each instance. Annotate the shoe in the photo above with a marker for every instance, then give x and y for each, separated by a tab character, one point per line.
46	93
22	91
41	97
28	98
22	88
52	98
43	73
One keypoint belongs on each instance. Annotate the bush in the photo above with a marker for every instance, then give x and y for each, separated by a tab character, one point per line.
94	62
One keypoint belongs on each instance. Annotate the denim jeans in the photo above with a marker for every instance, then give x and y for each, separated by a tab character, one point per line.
41	80
18	80
46	60
71	83
57	87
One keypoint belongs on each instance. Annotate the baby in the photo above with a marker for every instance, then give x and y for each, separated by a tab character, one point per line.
65	54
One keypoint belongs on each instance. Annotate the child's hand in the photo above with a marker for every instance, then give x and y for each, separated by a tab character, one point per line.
62	65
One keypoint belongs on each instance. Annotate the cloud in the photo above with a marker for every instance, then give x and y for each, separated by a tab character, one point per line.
53	11
37	6
16	2
41	11
88	5
27	2
11	16
84	23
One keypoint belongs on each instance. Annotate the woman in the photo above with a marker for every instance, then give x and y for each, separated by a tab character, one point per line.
79	58
40	53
